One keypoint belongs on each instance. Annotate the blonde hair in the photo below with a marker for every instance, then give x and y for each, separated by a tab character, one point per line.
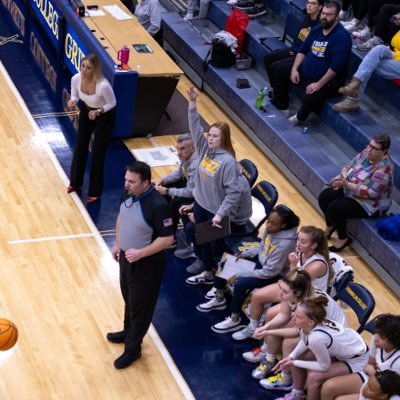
319	238
96	65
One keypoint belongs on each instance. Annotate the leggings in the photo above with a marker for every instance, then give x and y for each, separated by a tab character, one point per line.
337	208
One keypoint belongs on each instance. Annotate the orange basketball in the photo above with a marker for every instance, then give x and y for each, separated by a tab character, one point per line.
8	334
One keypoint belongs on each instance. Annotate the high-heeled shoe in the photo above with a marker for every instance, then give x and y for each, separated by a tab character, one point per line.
91	200
335	249
71	189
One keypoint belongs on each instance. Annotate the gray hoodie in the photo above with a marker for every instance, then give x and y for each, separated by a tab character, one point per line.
273	252
219	185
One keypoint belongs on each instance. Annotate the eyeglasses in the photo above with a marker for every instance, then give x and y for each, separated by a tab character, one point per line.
328	14
370	146
312	3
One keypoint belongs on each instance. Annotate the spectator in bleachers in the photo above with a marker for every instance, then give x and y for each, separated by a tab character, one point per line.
178	185
220	189
320	66
203	9
382	60
385	28
148	13
279	63
384	354
326	349
271	258
311	255
362	190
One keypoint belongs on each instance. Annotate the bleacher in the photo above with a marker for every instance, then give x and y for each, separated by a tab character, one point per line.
308	161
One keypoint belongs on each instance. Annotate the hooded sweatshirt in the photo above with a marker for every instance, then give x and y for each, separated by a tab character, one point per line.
219	185
272	252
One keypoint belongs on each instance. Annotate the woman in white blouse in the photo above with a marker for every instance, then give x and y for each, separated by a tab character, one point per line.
97	118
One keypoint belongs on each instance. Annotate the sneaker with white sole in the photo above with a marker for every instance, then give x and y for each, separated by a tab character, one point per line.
351	27
244	334
211	293
255	356
343	15
263	369
292	396
188	17
200	279
370	43
362	34
227	325
293	120
212	305
277	382
232	2
196	267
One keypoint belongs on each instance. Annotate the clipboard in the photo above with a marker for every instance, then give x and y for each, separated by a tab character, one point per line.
233	266
205	232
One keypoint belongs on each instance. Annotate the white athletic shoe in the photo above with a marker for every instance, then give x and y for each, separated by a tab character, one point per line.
212	305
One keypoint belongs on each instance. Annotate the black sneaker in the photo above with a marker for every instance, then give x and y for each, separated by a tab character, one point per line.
244	5
126	360
256	11
116	337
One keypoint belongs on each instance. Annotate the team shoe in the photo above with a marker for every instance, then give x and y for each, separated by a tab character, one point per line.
277	382
244	334
263	369
212	305
347	105
255	356
292	396
211	293
200	279
126	359
228	325
116	337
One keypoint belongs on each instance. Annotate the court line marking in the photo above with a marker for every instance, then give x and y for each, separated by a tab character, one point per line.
48	238
152	331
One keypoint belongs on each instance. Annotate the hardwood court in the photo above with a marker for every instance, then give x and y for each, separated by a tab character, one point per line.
60	285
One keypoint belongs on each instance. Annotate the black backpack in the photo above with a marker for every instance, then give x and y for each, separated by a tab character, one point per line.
221	55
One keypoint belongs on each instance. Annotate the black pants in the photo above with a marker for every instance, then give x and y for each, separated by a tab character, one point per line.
102	128
337	207
140	283
278	65
313	102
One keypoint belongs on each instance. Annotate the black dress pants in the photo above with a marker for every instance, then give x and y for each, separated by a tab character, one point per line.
102	128
278	65
337	208
140	283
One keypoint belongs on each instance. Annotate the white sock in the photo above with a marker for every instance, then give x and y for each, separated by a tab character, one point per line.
270	357
298	392
253	324
264	347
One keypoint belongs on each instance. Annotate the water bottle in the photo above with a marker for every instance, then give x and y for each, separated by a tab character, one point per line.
265	99
306	132
259	99
123	55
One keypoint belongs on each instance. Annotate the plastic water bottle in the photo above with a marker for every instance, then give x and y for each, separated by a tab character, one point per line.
259	99
306	132
265	99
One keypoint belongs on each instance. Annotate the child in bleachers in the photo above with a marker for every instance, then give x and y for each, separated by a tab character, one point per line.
384	354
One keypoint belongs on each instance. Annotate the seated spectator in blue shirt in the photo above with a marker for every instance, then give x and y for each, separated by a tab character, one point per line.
279	63
321	64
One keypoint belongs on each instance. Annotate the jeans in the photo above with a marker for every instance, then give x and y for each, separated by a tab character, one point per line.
380	60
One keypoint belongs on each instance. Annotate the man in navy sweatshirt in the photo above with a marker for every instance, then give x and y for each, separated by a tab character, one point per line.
320	66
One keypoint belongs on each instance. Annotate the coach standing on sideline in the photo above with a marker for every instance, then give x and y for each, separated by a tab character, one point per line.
144	231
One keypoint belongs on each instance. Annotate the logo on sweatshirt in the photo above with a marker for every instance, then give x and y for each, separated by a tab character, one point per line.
208	167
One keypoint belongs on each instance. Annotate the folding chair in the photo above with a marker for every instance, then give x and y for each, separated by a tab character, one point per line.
267	194
360	300
249	171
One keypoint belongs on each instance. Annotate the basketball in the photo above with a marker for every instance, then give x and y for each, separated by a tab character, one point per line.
8	334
